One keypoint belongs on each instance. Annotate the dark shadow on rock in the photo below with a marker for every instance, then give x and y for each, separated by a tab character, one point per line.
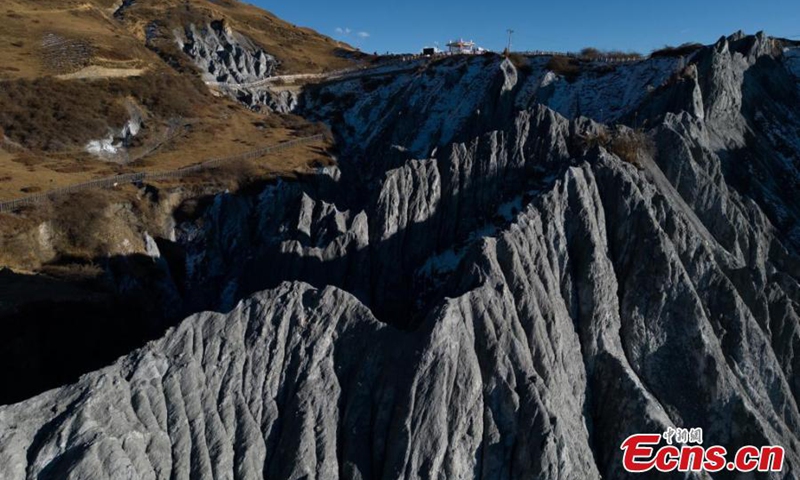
56	330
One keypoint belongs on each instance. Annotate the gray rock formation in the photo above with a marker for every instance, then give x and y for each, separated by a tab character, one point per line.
233	62
265	97
496	293
224	55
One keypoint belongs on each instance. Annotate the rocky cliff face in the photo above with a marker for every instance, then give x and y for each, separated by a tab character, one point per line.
224	55
484	288
233	61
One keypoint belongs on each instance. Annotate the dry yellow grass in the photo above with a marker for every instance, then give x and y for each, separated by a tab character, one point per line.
110	48
32	33
300	50
18	179
120	43
70	71
215	137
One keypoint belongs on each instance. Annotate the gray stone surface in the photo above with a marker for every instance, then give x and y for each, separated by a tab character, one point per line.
512	305
233	61
224	55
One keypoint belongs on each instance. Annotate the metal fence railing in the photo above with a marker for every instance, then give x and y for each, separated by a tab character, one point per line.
600	58
128	178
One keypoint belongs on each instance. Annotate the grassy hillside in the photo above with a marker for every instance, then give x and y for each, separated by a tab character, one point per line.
57	37
300	50
73	71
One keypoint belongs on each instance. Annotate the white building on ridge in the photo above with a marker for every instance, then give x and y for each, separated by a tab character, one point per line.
461	46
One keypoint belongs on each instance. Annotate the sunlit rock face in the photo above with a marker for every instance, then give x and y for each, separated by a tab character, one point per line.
481	289
231	61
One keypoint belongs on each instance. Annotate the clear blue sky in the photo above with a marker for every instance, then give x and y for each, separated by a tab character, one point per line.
407	26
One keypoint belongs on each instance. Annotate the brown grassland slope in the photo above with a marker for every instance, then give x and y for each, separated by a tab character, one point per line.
72	71
116	34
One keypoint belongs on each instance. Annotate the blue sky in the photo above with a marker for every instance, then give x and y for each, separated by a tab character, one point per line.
553	25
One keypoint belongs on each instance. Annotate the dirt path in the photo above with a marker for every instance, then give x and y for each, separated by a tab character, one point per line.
94	71
397	66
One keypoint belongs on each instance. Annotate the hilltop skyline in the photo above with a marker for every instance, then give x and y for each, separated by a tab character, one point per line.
559	26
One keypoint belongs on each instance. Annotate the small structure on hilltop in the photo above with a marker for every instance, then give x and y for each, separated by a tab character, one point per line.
461	46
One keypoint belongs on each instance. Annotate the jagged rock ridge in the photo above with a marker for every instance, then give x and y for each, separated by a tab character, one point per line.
231	60
226	56
553	299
